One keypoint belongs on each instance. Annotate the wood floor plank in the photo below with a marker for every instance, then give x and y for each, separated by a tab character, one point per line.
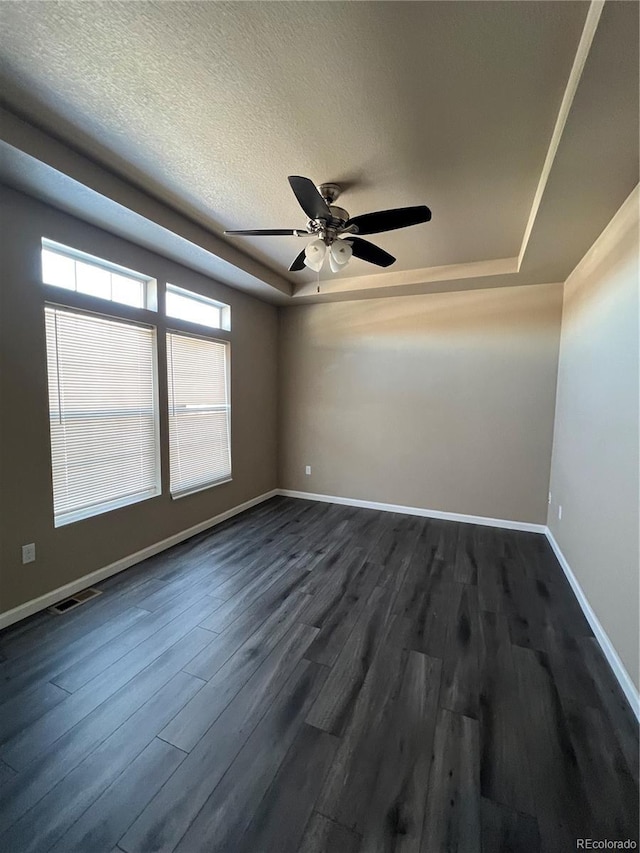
460	690
536	555
20	674
168	816
65	754
111	814
504	764
280	819
27	707
336	608
20	750
257	566
325	836
224	818
622	722
396	813
489	552
329	585
7	775
428	604
87	668
346	795
558	789
196	718
466	560
277	597
570	671
393	550
612	792
336	701
233	607
526	613
53	815
507	830
452	815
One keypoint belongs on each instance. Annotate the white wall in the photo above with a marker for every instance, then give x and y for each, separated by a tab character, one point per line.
442	402
594	472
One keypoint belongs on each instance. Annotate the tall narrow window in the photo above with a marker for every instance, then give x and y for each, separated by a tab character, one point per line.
102	407
199	413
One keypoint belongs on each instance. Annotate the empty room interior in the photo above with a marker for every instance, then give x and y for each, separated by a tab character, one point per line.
319	448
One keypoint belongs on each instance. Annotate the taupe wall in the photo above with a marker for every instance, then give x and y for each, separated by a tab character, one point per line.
26	504
444	401
594	475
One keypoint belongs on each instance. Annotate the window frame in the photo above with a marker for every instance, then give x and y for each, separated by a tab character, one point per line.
189	333
223	307
70	517
149	284
154	316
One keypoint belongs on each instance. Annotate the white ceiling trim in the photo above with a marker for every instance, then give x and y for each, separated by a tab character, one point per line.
625	220
584	46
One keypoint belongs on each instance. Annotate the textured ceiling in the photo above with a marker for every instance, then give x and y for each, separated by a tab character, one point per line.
210	105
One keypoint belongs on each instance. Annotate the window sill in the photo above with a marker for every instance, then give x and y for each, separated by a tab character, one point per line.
178	495
92	512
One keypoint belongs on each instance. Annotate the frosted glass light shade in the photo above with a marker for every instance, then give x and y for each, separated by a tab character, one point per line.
314	254
339	255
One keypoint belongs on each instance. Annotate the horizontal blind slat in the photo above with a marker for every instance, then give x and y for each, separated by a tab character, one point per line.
199	412
102	399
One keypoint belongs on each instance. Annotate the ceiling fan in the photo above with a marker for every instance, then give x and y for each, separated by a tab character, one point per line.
330	225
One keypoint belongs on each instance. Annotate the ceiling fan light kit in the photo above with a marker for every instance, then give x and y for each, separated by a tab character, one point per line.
339	253
330	224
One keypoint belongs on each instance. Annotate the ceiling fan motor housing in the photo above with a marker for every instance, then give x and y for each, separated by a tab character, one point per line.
329	229
339	214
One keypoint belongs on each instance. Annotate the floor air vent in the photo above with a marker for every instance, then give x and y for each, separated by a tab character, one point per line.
75	600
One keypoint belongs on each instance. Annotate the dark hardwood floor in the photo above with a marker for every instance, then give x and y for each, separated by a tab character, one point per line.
309	677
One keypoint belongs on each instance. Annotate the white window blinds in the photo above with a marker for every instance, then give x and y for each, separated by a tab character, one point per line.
199	413
102	405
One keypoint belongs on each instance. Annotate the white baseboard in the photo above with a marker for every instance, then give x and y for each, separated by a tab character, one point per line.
507	524
624	679
49	598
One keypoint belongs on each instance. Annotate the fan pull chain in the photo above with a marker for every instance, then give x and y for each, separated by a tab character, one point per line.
318	287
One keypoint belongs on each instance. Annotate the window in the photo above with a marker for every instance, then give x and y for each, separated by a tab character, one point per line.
199	413
73	270
102	409
185	305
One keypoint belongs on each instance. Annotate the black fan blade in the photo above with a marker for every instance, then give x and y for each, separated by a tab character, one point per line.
298	264
309	198
272	232
389	220
366	251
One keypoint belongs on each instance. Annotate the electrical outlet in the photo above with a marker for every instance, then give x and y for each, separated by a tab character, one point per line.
307	470
28	553
559	512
